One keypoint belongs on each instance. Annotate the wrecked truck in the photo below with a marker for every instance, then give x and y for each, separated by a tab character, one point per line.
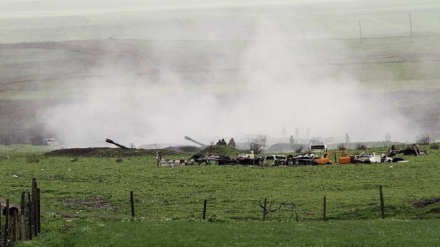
309	159
367	158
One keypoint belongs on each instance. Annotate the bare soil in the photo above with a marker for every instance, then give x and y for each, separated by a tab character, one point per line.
105	152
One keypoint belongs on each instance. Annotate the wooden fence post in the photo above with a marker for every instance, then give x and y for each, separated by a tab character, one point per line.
5	234
264	209
31	214
38	211
204	209
22	217
132	203
382	204
34	206
14	226
325	208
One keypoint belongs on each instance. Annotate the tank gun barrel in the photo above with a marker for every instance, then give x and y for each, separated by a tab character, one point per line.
196	142
117	144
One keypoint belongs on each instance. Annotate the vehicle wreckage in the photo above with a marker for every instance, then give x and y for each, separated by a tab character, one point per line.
309	158
316	155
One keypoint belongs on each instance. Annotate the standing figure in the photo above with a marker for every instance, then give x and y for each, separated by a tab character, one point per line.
231	143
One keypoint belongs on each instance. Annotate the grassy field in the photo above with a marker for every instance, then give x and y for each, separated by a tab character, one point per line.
89	196
99	187
177	233
85	55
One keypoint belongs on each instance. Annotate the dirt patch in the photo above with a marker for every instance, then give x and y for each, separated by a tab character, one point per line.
426	202
106	152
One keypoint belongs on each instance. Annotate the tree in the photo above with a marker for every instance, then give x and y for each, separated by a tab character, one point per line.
388	137
258	144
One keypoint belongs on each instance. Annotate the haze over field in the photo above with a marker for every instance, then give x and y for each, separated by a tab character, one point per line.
212	70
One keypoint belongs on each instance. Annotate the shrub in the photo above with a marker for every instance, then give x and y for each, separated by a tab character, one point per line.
423	139
361	146
341	146
435	145
258	144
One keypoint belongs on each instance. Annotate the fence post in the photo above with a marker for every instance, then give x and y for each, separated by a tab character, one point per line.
14	226
31	215
38	211
5	235
22	217
132	203
204	209
264	209
325	208
34	206
382	204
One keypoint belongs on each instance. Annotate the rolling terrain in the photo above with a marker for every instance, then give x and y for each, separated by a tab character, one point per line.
53	66
156	71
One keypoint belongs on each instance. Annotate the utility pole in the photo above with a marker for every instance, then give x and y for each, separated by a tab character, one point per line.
305	41
410	24
360	30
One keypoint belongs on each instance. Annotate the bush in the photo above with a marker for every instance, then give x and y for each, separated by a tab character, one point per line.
423	139
361	146
341	146
435	145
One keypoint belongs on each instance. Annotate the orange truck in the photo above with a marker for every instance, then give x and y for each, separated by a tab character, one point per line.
342	156
324	160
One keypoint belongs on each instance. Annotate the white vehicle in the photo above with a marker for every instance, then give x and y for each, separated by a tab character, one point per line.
368	158
50	142
317	145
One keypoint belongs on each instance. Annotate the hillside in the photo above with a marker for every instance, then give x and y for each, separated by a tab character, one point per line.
215	64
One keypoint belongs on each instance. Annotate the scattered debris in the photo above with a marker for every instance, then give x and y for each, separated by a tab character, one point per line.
220	160
309	159
302	159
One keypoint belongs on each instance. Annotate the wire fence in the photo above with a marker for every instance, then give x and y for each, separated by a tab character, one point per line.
273	209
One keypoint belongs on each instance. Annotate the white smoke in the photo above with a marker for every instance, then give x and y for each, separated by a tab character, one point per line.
280	82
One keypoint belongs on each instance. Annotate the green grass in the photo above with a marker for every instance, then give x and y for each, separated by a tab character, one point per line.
90	187
94	191
176	233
